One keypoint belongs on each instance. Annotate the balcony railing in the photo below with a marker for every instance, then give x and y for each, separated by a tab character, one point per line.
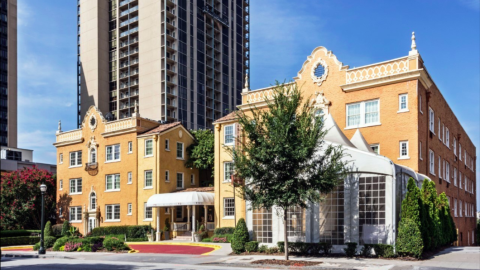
134	19
125	2
135	8
181	226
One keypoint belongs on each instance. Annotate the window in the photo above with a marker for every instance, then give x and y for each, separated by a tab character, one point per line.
148	183
420	104
61	184
375	148
439	130
432	120
76	159
179	212
432	162
262	225
455	207
371	209
113	153
296	222
180	181
129	177
364	113
228	207
113	212
60	158
229	135
227	171
460	151
465	159
129	209
60	212
93	155
420	151
130	147
149	148
439	167
403	103
93	201
455	176
179	150
448	138
76	186
447	172
331	217
404	149
443	133
167	176
192	179
112	182
460	179
148	212
76	213
455	146
460	203
167	145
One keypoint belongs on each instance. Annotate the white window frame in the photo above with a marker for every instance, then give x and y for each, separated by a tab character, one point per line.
75	159
129	178
74	211
455	146
460	203
225	178
167	176
420	150
146	149
400	110
465	159
113	147
377	145
432	120
130	147
76	186
113	207
145	186
183	180
443	133
362	115
129	209
455	208
406	156
460	183
61	184
60	158
192	179
167	145
432	162
439	167
439	129
232	142
112	177
460	151
420	104
455	175
60	212
183	150
447	171
225	208
448	138
145	218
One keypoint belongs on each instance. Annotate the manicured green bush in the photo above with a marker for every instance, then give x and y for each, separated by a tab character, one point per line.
366	250
113	243
65	228
262	248
60	243
432	224
351	249
48	242
281	246
272	250
137	239
19	240
251	246
384	251
57	229
48	229
409	239
326	248
207	240
240	237
224	230
134	231
16	233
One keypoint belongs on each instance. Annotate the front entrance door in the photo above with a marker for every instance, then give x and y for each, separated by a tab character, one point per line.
92	222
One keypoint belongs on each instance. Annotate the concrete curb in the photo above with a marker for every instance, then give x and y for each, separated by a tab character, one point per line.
34	256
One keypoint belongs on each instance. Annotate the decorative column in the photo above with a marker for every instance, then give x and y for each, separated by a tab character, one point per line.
193	224
205	208
188	217
171	221
158	224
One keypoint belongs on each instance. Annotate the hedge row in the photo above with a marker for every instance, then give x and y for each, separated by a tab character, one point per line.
19	240
136	231
224	230
16	233
306	248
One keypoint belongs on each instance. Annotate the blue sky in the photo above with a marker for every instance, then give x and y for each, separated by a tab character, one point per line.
283	34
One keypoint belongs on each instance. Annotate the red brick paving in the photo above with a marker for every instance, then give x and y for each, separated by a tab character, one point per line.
171	249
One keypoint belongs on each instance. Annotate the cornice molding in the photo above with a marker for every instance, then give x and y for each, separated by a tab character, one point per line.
59	144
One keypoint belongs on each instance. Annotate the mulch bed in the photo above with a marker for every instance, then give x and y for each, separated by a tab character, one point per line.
286	263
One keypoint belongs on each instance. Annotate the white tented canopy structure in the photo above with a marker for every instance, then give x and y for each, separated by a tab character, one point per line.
186	210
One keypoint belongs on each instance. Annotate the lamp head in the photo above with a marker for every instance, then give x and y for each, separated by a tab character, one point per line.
43	188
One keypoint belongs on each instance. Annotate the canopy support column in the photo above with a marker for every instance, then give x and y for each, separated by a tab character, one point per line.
193	224
188	217
205	210
158	224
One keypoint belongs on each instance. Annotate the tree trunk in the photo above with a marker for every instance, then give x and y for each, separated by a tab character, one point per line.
285	233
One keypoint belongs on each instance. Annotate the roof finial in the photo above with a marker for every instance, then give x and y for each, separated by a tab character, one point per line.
135	111
246	88
414	46
59	126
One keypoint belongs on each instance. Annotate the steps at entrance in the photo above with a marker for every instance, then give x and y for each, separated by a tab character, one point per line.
186	236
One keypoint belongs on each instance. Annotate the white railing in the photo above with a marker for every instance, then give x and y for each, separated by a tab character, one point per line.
181	226
393	67
69	135
259	96
119	125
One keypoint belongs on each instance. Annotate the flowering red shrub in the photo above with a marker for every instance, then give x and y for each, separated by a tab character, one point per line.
69	246
21	200
219	239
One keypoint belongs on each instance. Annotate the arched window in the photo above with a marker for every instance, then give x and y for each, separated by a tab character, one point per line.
93	155
93	201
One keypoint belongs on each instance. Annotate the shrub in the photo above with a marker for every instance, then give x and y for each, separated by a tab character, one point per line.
48	242
351	249
281	246
227	238
430	227
272	250
65	228
97	246
113	243
70	246
57	229
48	229
19	240
366	250
384	251
240	237
143	239
167	225
409	239
59	243
251	246
135	231
262	248
16	233
224	230
315	248
207	240
326	248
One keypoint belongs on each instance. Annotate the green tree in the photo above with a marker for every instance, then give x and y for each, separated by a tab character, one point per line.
240	237
283	156
412	204
201	155
21	199
449	232
65	228
430	202
48	229
409	240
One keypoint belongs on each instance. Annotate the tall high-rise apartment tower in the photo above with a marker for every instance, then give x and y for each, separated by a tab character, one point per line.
8	73
171	59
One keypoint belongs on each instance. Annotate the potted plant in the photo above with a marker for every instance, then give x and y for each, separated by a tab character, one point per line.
150	233
166	229
198	236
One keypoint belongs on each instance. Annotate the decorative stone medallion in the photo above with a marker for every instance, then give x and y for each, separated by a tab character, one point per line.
92	123
319	72
180	133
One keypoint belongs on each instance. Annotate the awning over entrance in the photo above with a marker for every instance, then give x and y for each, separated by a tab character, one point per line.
181	198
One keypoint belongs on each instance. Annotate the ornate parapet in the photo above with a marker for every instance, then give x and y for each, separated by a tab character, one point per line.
72	135
379	70
120	125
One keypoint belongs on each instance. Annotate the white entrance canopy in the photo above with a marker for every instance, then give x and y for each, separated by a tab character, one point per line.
181	198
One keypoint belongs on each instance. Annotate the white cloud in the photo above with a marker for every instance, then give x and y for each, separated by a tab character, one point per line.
471	4
23	13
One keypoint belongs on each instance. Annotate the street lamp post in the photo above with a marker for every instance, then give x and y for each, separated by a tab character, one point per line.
43	189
